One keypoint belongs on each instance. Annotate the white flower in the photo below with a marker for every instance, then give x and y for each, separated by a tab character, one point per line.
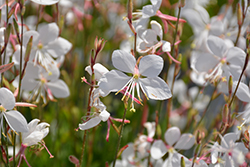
15	119
36	132
101	114
44	84
149	66
46	46
150	39
172	137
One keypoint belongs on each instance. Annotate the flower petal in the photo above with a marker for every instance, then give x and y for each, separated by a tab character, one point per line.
99	70
104	115
59	88
90	123
48	33
33	138
185	142
155	88
172	135
158	149
217	46
243	92
236	56
123	61
16	121
7	99
150	65
112	81
58	47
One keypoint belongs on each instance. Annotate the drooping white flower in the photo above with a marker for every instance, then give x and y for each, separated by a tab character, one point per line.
101	114
150	66
15	119
36	132
143	142
152	39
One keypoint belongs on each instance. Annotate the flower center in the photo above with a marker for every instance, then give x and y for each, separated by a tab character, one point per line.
40	45
2	108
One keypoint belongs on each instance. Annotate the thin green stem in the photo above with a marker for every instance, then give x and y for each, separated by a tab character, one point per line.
83	146
120	135
169	107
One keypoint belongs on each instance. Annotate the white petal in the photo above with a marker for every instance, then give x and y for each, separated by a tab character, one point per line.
59	88
157	28
33	138
217	46
45	2
98	69
90	123
113	81
48	33
166	46
104	115
123	61
236	56
58	47
32	126
243	92
155	88
7	99
172	135
151	65
185	142
16	121
149	37
158	149
148	11
150	128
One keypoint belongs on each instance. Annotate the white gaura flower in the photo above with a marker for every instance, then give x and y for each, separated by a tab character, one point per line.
46	46
45	2
152	39
174	140
42	83
144	76
36	132
15	119
101	114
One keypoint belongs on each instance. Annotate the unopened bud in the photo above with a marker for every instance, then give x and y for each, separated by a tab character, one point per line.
182	162
130	10
246	135
74	160
198	137
230	85
28	49
182	3
225	114
239	14
7	33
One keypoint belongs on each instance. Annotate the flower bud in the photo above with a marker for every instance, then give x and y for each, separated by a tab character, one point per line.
239	15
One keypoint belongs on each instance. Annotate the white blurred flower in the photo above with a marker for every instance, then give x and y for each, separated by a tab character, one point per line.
14	118
175	141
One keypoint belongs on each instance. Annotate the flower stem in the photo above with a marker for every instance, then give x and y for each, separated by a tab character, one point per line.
120	135
169	107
